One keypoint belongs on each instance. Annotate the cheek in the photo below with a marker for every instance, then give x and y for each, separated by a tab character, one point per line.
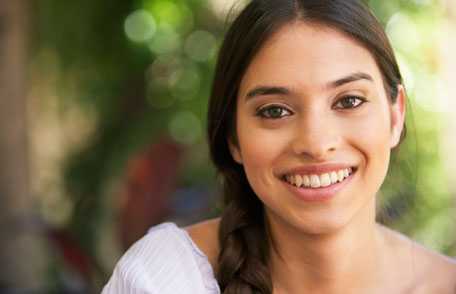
373	140
261	149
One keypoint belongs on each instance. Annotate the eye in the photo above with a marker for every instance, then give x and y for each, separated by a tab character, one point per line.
273	112
350	102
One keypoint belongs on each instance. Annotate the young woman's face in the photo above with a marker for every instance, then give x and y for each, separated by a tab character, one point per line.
311	108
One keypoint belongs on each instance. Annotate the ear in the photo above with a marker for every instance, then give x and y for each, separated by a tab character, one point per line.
234	150
398	110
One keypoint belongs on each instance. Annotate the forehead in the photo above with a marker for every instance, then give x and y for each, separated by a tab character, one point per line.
308	56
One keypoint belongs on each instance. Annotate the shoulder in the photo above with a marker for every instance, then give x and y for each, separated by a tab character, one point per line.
161	246
205	235
432	272
436	272
158	263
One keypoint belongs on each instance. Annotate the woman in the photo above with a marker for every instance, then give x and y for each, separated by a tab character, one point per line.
307	104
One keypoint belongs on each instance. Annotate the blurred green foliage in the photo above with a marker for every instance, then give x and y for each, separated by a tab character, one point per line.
143	68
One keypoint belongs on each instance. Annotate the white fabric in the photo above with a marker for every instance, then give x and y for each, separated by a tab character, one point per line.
165	261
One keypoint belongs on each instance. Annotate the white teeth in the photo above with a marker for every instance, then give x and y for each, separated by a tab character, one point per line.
340	175
325	180
292	180
306	181
316	181
334	177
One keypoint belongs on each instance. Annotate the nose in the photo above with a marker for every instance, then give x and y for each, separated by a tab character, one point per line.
316	136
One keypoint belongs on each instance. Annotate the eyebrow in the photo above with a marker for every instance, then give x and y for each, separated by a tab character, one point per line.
265	90
273	90
349	79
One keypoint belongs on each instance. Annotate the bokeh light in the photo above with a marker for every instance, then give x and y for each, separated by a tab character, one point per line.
167	40
185	83
200	45
140	26
158	76
185	127
177	14
403	33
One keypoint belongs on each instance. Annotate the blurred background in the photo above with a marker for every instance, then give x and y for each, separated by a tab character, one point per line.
102	130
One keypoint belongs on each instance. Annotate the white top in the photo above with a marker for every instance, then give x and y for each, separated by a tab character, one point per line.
164	261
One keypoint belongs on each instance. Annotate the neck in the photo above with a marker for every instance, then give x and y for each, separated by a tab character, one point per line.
350	258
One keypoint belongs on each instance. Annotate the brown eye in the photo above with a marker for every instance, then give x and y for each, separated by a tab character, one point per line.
273	112
350	102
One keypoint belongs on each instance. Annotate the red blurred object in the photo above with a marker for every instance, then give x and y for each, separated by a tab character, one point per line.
73	255
151	179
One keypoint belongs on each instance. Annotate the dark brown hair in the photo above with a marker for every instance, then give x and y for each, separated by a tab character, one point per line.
243	234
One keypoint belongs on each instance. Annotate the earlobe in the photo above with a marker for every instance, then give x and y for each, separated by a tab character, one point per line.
234	150
398	111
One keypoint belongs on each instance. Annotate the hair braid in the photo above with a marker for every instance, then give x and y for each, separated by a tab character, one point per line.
244	244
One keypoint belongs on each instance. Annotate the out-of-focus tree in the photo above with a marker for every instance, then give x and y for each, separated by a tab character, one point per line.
125	76
22	254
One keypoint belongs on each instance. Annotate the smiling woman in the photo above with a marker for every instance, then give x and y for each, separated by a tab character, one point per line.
307	104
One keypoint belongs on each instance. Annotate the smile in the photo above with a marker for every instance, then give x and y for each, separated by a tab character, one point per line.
315	181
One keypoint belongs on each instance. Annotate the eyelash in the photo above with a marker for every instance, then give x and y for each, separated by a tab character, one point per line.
363	100
262	111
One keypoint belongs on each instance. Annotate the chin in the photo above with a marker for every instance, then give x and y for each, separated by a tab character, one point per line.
318	223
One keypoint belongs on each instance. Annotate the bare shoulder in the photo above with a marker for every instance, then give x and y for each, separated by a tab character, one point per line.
433	272
437	271
205	235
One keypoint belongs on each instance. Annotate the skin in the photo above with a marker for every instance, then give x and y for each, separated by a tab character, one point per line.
326	246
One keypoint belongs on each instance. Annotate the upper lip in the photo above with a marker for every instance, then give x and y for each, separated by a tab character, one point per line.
317	169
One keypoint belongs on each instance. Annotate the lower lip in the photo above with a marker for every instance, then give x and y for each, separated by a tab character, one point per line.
321	194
